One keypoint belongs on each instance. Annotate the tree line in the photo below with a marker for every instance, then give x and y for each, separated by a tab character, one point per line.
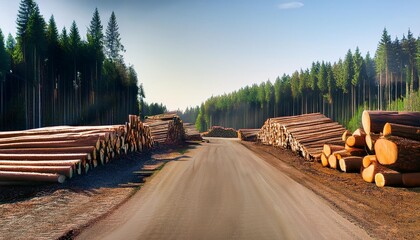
336	89
49	77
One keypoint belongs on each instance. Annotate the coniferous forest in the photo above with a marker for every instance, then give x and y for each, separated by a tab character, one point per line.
388	80
55	77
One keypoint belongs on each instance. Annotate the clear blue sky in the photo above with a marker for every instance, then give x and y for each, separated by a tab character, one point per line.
186	51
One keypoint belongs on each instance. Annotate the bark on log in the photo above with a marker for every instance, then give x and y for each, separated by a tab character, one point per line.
399	154
388	177
328	149
356	141
411	179
30	177
401	131
350	164
374	121
62	170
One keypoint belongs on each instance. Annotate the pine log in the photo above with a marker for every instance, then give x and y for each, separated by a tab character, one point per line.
78	149
411	179
63	170
370	140
62	156
75	164
345	135
399	154
367	160
356	141
359	132
330	148
401	131
350	164
368	173
374	121
333	159
388	177
31	177
324	160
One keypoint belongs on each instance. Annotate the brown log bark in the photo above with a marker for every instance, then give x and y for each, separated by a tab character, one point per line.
388	177
411	179
63	156
350	164
356	141
399	154
30	177
374	121
328	149
399	130
63	170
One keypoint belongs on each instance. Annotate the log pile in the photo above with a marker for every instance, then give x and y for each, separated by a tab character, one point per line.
165	128
218	131
248	134
191	133
53	154
305	134
387	150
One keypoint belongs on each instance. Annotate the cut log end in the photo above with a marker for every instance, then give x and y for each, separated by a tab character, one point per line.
367	160
388	179
366	122
386	151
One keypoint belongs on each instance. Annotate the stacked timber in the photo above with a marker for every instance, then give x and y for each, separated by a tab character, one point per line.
394	139
218	131
191	133
305	134
166	128
52	154
347	157
248	134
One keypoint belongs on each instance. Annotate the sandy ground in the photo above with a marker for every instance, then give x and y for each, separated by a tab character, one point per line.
222	190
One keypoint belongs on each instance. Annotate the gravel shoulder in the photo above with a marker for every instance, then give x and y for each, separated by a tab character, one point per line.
385	213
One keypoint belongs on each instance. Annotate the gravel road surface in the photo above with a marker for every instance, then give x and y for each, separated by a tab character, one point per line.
222	190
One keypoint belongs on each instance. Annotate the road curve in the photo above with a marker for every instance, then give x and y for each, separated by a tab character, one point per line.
222	190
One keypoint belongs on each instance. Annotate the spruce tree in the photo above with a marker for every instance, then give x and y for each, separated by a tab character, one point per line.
113	46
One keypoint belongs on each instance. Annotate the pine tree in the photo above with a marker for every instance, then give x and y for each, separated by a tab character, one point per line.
95	38
113	45
382	64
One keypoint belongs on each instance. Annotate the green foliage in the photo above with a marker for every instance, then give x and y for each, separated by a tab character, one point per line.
356	121
113	46
62	79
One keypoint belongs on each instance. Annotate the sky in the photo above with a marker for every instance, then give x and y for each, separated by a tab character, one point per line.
185	51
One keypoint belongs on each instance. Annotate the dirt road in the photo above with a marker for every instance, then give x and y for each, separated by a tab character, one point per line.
222	190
